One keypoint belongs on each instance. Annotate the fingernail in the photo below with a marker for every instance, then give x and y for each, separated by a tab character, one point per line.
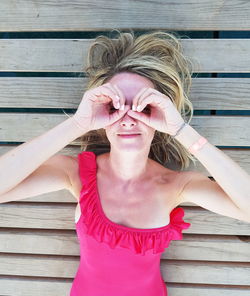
138	107
133	108
122	107
118	105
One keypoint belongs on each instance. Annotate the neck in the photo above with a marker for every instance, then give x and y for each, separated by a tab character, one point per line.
128	167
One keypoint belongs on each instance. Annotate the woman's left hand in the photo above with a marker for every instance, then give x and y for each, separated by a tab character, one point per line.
162	115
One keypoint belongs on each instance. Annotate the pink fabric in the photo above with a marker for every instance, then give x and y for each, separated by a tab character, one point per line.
116	259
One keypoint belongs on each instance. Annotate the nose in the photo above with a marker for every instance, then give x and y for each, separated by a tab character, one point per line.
127	121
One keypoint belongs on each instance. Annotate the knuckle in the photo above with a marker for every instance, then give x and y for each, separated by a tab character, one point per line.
107	84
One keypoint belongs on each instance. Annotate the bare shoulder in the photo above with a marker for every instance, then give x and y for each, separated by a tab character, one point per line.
173	183
69	164
74	158
168	176
64	162
182	178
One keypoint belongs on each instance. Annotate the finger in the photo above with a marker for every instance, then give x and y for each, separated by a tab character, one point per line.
139	116
117	93
113	117
156	100
105	91
122	97
146	100
136	98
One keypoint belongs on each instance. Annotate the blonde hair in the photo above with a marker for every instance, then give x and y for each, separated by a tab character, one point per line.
157	56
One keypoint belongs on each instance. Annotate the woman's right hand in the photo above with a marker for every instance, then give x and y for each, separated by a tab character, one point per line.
99	107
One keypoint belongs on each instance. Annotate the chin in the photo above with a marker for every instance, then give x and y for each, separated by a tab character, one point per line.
131	147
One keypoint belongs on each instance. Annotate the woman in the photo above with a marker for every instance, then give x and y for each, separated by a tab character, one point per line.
127	201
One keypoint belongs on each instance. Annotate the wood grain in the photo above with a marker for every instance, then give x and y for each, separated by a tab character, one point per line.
67	55
52	15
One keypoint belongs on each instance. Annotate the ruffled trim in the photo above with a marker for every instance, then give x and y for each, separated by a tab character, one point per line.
104	230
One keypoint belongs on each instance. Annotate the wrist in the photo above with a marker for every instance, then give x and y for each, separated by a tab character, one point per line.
188	136
77	127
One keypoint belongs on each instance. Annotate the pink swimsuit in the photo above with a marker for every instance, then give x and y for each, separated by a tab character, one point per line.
117	260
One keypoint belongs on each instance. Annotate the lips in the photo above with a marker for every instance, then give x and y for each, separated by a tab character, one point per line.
128	135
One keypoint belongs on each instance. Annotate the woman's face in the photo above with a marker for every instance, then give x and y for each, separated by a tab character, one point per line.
130	84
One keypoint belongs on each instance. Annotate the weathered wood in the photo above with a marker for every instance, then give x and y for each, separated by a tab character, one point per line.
35	287
21	127
65	243
66	55
206	290
39	249
172	270
57	287
42	92
209	248
241	156
61	216
198	272
81	16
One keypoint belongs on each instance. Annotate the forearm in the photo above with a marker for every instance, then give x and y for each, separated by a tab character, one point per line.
227	173
19	163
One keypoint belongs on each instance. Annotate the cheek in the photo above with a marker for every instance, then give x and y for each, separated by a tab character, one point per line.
109	132
152	134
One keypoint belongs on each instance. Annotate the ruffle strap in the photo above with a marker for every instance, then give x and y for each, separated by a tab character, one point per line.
104	230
